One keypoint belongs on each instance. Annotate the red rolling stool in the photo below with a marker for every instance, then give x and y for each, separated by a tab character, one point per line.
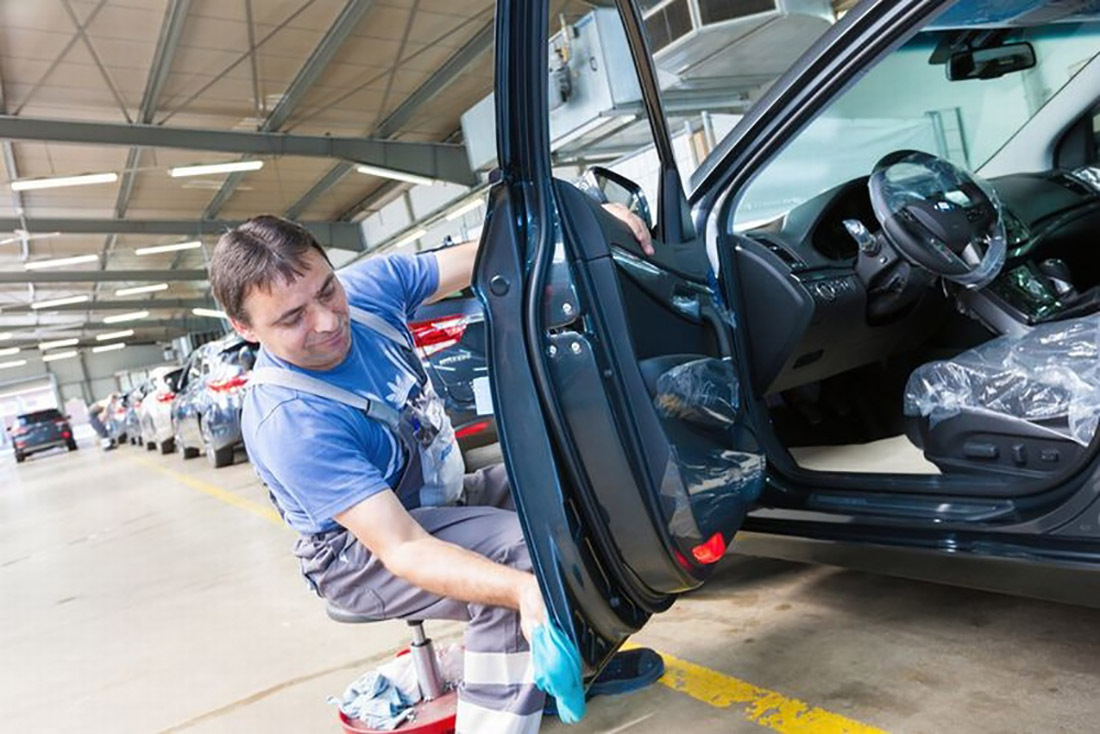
435	714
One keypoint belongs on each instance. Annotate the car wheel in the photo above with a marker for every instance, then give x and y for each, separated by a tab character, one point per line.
168	445
71	445
19	458
190	452
150	445
220	457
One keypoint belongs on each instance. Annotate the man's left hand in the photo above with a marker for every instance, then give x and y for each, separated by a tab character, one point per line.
637	226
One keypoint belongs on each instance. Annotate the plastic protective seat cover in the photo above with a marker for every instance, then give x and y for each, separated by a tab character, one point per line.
1051	375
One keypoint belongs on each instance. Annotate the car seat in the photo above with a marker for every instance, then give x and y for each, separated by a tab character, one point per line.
1020	405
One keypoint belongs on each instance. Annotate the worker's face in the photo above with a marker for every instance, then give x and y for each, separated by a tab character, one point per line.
304	322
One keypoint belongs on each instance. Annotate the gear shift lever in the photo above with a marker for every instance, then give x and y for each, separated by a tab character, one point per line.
1058	275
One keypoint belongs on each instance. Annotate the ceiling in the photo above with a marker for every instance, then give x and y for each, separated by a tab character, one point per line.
146	76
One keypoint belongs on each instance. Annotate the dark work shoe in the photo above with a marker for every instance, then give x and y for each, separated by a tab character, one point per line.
626	672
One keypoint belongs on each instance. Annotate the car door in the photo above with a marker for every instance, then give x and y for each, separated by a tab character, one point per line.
617	387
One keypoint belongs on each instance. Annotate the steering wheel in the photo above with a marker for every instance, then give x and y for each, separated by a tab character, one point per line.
939	217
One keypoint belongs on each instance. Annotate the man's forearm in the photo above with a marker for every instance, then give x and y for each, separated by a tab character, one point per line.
454	572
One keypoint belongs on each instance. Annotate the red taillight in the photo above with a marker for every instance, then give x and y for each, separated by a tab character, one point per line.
20	444
710	551
438	334
166	397
229	384
472	429
66	434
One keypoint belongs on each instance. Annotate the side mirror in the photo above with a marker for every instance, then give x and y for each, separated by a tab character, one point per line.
609	187
990	63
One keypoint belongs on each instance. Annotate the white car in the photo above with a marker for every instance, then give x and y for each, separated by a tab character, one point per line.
156	410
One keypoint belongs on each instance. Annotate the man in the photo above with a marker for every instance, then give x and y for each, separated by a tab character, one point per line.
344	428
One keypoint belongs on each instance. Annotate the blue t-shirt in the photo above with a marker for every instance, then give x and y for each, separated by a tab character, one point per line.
320	457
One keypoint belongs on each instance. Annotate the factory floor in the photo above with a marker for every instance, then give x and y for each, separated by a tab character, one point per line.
145	593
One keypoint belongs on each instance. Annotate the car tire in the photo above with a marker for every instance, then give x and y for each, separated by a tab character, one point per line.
150	445
70	445
220	457
19	458
168	446
190	452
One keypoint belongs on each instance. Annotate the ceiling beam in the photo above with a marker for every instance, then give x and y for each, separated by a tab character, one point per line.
436	83
132	304
345	235
454	66
441	161
315	65
171	28
100	276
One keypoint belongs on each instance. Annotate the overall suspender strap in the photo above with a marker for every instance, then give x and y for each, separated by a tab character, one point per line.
380	325
374	409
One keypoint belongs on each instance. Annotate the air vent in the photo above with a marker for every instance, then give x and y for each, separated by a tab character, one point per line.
716	11
668	24
788	257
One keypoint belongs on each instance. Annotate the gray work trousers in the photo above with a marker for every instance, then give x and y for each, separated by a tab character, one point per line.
498	695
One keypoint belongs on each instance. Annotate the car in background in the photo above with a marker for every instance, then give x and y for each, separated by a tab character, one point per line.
41	430
155	411
206	413
450	339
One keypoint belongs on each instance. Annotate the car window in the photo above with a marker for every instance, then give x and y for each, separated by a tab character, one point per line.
714	59
39	416
963	121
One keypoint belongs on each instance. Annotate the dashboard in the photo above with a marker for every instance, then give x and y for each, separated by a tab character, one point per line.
804	277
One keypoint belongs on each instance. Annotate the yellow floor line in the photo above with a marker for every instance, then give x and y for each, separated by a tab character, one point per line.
260	510
769	709
761	706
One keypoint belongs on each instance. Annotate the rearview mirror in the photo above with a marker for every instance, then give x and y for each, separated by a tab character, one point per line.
990	63
609	187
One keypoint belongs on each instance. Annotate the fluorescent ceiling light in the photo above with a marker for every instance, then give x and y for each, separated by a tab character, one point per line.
396	175
16	363
108	347
5	336
131	316
212	313
464	210
114	335
60	262
59	355
410	237
141	289
58	302
216	168
29	184
58	344
22	234
157	249
9	351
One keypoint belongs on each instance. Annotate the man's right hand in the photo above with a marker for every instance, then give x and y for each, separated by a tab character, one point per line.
532	609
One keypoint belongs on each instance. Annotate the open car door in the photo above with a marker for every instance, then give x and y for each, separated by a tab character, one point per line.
618	395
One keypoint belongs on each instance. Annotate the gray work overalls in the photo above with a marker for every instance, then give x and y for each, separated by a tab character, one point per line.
498	695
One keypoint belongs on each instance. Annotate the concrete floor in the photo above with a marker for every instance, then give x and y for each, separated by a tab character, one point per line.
142	593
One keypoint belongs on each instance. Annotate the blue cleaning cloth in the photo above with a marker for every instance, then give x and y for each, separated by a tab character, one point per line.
558	670
375	701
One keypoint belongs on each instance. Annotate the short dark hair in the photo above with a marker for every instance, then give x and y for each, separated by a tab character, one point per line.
254	254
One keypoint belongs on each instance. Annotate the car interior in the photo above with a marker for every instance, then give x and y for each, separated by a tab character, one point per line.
952	329
906	316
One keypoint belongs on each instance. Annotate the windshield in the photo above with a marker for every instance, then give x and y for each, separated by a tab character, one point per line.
907	102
